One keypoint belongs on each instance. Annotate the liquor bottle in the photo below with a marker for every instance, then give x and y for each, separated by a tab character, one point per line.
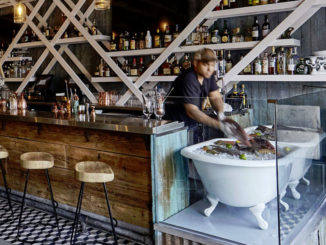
134	68
281	62
186	64
101	68
176	67
249	2
13	35
215	38
229	64
141	68
25	38
2	49
86	26
233	4
274	1
126	41
263	2
136	41
48	32
258	66
148	40
43	29
94	28
231	97
141	41
65	35
132	42
226	4
265	65
157	39
121	41
126	68
255	2
204	35
266	27
113	43
63	18
249	69
153	58
166	68
221	64
243	95
255	30
176	32
291	63
272	62
167	36
197	36
107	71
301	68
226	33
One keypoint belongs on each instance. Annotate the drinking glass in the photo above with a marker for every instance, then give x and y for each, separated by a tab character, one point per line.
148	108
159	110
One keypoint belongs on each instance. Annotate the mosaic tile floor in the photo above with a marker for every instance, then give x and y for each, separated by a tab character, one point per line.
47	235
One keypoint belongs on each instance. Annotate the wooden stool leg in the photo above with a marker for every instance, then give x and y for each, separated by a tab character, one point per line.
23	202
6	186
110	213
52	200
78	208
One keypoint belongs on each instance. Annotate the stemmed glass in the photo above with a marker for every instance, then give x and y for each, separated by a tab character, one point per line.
159	109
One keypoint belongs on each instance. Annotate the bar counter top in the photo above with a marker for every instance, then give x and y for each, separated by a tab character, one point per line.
111	121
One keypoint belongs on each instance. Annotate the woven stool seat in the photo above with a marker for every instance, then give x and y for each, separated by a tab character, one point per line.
3	152
94	172
36	160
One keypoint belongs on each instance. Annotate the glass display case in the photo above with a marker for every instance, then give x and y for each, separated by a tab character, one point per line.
270	193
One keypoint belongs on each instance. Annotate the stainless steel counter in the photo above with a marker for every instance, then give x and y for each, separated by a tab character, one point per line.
117	123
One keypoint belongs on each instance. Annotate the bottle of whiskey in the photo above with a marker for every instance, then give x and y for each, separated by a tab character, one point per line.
221	64
94	28
176	32
226	34
215	38
126	68
243	95
121	41
229	64
263	2
126	41
148	40
141	41
266	27
166	68
141	68
153	58
167	36
132	42
134	68
233	4
186	63
232	97
157	39
226	4
272	62
291	65
281	62
86	26
113	43
248	70
255	30
250	2
176	67
101	68
255	2
265	65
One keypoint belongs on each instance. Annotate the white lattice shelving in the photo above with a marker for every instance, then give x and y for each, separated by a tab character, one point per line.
117	79
281	78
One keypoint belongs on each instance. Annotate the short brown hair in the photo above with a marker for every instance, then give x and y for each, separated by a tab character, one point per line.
205	55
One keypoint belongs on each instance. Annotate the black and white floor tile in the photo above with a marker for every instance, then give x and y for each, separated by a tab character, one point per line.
41	229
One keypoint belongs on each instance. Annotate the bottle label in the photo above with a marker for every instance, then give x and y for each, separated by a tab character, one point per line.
132	44
228	67
133	72
255	33
247	69
113	47
265	66
225	39
157	42
141	44
167	39
265	32
226	2
126	44
166	71
291	67
176	70
148	43
214	40
258	68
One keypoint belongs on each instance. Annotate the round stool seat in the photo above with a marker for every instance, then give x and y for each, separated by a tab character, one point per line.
94	172
3	152
36	160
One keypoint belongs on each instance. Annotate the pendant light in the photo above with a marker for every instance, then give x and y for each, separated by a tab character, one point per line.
102	4
19	13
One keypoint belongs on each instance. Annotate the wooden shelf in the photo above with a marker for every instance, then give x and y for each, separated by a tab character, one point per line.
117	79
281	78
72	40
194	48
255	10
17	79
17	59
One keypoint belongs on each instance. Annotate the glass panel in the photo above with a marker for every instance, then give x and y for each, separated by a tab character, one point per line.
300	132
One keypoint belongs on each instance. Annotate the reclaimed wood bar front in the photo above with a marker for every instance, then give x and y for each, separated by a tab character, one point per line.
125	145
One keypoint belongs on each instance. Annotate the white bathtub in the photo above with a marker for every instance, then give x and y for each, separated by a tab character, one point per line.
239	183
307	143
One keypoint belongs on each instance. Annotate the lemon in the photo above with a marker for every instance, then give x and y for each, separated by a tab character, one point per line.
287	149
258	134
243	157
238	142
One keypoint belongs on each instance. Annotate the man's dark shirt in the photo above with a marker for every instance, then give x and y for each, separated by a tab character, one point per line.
187	90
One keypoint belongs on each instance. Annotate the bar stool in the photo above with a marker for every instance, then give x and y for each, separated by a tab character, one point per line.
3	156
92	172
37	160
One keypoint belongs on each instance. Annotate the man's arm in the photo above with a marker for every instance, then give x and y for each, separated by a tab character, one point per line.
194	113
216	100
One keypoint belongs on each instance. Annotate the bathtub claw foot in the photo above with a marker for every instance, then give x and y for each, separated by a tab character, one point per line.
306	181
257	211
213	202
284	204
293	185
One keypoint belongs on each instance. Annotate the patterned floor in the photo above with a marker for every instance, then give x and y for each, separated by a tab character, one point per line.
45	234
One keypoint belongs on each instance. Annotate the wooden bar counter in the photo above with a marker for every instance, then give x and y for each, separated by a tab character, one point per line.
127	144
